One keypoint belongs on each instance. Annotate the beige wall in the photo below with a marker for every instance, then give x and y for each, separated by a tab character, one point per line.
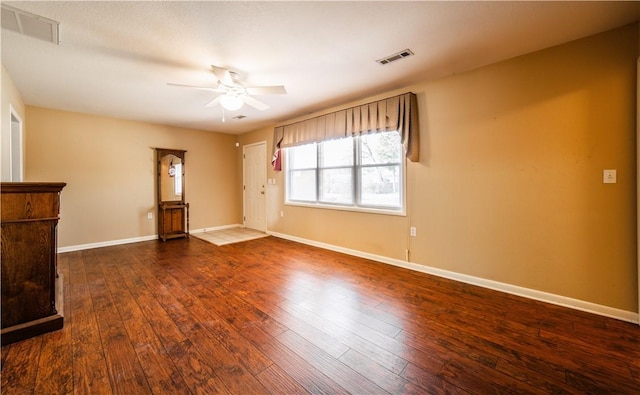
509	187
11	98
109	166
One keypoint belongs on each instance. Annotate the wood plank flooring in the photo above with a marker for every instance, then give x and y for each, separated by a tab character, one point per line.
270	316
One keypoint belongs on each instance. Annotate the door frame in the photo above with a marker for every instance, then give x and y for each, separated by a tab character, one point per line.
16	146
244	179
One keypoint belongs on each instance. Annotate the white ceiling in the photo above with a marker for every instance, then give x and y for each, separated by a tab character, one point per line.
115	58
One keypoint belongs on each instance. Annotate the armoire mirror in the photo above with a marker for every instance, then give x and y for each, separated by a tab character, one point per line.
173	211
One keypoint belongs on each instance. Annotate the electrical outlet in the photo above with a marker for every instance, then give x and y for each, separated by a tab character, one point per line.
281	214
412	231
609	176
149	215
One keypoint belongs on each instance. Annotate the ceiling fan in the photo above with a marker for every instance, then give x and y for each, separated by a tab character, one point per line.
233	92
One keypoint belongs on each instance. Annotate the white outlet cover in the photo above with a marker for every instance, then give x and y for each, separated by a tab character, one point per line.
609	176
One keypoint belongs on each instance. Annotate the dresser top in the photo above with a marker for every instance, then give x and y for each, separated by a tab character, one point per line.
31	187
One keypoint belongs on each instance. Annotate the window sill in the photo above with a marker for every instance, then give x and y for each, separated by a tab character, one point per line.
399	213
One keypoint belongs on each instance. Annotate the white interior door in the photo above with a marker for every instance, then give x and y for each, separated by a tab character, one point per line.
255	179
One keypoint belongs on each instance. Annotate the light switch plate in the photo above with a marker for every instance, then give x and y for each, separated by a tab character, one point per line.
609	176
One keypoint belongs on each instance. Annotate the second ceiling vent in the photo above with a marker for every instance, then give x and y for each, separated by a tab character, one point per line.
395	56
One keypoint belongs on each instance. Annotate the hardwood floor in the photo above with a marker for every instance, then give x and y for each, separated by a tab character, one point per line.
274	316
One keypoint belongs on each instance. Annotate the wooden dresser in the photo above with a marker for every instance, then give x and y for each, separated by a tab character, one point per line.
31	287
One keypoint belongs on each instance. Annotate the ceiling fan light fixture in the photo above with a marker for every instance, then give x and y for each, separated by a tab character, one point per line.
231	102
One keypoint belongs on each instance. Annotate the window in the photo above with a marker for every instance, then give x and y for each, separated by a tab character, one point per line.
358	173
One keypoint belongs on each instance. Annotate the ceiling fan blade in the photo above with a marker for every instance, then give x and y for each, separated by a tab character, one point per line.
204	88
214	102
255	103
223	75
266	90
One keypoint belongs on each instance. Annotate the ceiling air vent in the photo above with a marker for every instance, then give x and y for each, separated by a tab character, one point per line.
30	24
395	56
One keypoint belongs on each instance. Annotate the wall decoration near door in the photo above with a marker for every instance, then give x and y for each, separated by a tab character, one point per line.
173	211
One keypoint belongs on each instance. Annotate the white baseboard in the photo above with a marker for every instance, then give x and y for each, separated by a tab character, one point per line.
559	300
106	243
135	239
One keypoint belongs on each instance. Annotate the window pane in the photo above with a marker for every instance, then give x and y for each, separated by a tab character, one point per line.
378	148
302	157
363	171
380	186
336	186
302	185
336	153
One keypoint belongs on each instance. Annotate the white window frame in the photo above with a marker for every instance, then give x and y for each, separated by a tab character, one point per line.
356	185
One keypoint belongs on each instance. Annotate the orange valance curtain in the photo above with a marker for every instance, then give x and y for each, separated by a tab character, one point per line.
395	113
